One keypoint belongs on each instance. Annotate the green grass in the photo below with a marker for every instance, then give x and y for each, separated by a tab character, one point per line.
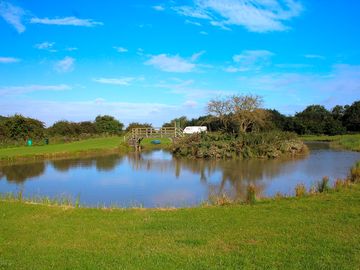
165	143
98	145
312	232
349	141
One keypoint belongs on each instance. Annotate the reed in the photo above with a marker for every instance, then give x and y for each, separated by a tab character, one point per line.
300	190
323	185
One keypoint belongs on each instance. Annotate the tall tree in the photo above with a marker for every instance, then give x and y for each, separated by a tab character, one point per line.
247	112
221	108
351	118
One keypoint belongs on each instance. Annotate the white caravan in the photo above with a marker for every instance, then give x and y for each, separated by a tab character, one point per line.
195	129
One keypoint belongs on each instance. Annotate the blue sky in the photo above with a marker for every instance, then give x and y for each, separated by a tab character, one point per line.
151	61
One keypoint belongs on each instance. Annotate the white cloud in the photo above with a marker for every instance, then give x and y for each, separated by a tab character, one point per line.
12	90
73	21
12	15
121	49
193	23
8	60
65	65
254	15
190	103
194	12
196	56
203	33
46	46
339	86
189	90
115	81
250	60
169	63
158	8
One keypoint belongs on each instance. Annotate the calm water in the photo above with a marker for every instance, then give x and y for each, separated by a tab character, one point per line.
157	179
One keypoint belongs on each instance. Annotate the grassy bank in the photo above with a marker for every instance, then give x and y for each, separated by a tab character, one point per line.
349	142
314	232
88	146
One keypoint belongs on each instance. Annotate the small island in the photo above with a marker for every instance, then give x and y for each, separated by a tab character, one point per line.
247	131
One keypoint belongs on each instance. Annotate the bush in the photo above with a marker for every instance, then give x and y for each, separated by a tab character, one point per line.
108	124
247	145
18	127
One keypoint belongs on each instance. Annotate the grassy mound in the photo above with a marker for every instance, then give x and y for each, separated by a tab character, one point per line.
248	145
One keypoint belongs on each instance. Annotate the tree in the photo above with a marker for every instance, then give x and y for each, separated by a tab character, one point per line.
351	118
18	127
137	125
316	119
276	120
221	108
182	120
87	127
247	113
64	128
338	112
108	124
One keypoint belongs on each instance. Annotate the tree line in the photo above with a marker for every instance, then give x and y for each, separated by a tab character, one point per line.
232	114
21	128
245	113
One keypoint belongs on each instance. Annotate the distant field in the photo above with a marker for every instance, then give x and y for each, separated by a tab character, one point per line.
350	142
89	145
315	232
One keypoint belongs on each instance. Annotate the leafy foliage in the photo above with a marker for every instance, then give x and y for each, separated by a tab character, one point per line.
137	125
108	124
246	145
18	127
351	118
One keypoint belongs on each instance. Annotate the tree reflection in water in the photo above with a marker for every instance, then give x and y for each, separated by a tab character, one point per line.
102	163
19	173
236	175
230	177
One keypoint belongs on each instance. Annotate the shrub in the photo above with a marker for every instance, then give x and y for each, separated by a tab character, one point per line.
108	124
247	145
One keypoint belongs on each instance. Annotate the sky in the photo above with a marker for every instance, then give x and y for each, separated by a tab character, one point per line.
151	61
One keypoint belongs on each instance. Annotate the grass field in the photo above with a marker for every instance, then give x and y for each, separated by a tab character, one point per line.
164	143
317	232
98	145
349	142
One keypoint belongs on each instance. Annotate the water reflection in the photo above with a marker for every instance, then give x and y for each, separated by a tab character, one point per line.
102	163
21	172
158	179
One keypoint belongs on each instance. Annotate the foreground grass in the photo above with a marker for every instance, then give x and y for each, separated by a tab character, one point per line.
349	141
98	145
317	232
